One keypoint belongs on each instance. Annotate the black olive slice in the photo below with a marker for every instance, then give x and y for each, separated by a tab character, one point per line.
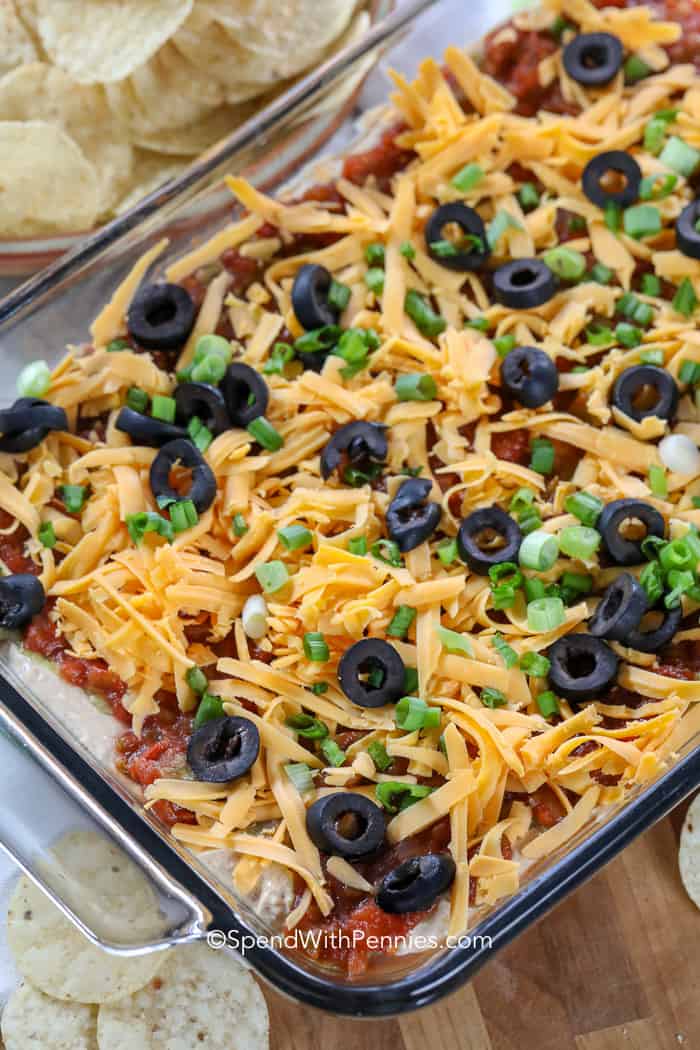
491	523
206	403
615	162
524	283
472	226
346	825
620	610
653	639
687	236
27	422
410	519
223	749
622	550
310	297
582	667
144	430
202	491
639	379
416	884
246	394
529	376
593	59
21	598
161	317
371	673
359	441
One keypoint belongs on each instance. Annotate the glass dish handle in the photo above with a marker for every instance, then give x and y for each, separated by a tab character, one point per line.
39	808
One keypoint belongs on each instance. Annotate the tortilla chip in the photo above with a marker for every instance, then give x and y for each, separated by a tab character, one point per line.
42	92
50	952
32	1019
16	45
104	41
689	855
150	172
47	185
201	996
199	136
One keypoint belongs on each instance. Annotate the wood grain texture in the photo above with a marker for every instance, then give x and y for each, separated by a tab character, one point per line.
615	967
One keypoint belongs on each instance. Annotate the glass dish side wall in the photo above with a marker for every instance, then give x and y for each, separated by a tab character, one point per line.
57	307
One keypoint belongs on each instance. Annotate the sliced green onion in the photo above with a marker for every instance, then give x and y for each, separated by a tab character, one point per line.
676	555
577	583
378	753
504	344
655	187
410	680
183	515
612	216
213	346
374	279
584	506
566	263
413	713
522	505
318	339
388	552
579	541
502	221
542	456
658	482
197	680
254	617
599	334
534	588
454	642
642	220
265	434
117	346
635	69
528	196
651	285
448	553
319	688
401	621
300	775
539	551
295	537
211	370
548	704
651	579
690	372
47	535
73	497
655	135
272	576
163	408
545	614
602	274
338	295
493	698
678	155
505	651
628	334
137	399
34	380
415	386
685	300
282	354
358	545
210	708
148	521
316	647
503	596
375	254
239	525
201	435
481	324
333	754
559	26
407	250
651	357
535	664
396	796
506	572
681	581
423	316
469	177
307	726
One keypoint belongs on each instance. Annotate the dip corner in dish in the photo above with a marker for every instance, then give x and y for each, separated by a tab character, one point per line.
376	521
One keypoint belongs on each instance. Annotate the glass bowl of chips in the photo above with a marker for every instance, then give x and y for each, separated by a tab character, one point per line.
104	102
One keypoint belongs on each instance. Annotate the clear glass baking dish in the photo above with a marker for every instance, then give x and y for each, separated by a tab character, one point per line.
56	308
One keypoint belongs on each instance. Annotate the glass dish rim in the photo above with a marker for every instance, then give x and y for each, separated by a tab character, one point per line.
443	973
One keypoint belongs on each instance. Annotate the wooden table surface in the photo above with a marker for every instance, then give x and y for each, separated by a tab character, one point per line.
615	967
